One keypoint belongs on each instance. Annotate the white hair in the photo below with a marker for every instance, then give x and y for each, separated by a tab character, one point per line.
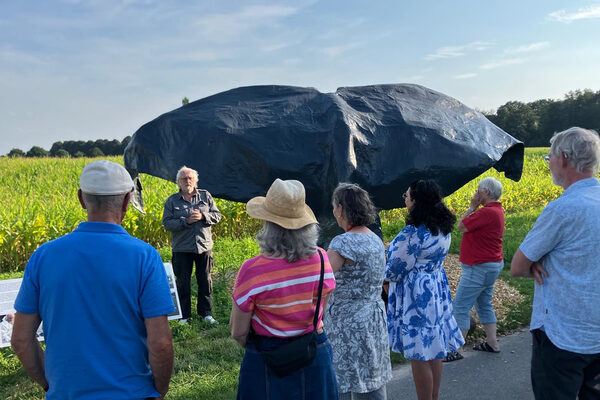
291	244
492	185
182	170
580	146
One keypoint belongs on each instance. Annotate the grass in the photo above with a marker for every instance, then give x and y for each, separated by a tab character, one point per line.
207	359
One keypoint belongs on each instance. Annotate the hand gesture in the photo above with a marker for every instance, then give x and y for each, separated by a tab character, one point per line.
476	200
538	272
195	216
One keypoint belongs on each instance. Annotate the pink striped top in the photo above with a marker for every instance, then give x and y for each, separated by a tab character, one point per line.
282	296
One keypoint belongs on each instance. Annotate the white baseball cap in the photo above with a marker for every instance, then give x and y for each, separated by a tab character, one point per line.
105	178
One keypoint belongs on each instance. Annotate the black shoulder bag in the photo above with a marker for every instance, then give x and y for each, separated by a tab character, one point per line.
293	356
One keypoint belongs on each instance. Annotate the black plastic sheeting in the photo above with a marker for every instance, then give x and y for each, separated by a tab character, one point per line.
382	137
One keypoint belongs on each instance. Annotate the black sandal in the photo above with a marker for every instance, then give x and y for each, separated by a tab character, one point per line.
484	346
453	356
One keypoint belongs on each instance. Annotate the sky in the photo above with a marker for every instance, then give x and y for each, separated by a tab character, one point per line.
87	70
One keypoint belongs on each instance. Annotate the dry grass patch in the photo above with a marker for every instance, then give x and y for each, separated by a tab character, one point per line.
505	296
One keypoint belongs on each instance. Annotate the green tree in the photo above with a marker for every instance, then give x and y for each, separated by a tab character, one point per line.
62	153
16	153
519	120
95	152
534	123
113	148
56	146
124	144
185	101
37	151
79	154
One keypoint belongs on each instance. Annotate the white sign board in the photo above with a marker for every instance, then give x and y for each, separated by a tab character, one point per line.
10	288
174	295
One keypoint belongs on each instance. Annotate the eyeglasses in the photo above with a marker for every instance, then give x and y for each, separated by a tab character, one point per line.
546	159
403	196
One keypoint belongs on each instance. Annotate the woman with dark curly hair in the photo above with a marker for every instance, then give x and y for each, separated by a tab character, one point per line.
420	321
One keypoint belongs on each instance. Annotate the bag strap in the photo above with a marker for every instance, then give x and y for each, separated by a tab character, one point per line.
316	318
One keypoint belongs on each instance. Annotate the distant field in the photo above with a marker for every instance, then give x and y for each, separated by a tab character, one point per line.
40	204
39	198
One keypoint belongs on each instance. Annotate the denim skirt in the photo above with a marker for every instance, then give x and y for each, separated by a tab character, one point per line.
315	382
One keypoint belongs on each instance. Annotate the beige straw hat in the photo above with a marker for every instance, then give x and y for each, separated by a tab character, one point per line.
284	205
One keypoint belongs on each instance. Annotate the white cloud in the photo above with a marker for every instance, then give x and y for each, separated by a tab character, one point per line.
457	51
465	76
231	26
529	47
590	12
502	63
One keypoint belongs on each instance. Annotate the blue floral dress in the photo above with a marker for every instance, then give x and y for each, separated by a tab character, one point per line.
420	321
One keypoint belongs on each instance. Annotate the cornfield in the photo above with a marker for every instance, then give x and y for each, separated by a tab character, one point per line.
40	204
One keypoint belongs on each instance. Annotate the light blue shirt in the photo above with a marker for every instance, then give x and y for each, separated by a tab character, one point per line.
566	238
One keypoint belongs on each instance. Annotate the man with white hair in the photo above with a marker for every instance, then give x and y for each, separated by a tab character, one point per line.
104	298
189	215
562	254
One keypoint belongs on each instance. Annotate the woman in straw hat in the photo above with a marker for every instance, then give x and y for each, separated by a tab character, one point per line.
275	296
355	314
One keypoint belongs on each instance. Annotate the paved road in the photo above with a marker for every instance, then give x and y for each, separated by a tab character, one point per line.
479	375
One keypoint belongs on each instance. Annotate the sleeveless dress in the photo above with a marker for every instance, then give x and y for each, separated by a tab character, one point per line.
420	321
355	317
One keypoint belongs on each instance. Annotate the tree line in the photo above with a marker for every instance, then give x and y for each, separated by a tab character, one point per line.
534	123
76	148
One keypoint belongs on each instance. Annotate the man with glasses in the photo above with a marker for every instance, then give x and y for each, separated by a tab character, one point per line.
189	215
562	254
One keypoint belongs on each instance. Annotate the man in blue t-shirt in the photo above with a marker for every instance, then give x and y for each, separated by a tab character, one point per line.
561	252
103	297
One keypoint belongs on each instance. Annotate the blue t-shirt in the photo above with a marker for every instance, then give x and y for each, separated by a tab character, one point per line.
565	239
93	288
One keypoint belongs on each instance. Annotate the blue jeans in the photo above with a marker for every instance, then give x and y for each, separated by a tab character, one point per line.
317	381
476	286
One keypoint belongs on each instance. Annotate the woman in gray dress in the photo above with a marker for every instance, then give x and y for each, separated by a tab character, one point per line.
355	317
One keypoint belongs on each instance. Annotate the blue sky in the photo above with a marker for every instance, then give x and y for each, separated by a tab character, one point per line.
81	70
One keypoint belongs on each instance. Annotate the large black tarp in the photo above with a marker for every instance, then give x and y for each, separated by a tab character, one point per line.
381	136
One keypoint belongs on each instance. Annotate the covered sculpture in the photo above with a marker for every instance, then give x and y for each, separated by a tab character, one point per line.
381	137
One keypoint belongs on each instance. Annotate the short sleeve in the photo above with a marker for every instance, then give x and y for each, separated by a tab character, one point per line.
155	297
242	295
476	220
328	277
342	247
544	236
27	301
